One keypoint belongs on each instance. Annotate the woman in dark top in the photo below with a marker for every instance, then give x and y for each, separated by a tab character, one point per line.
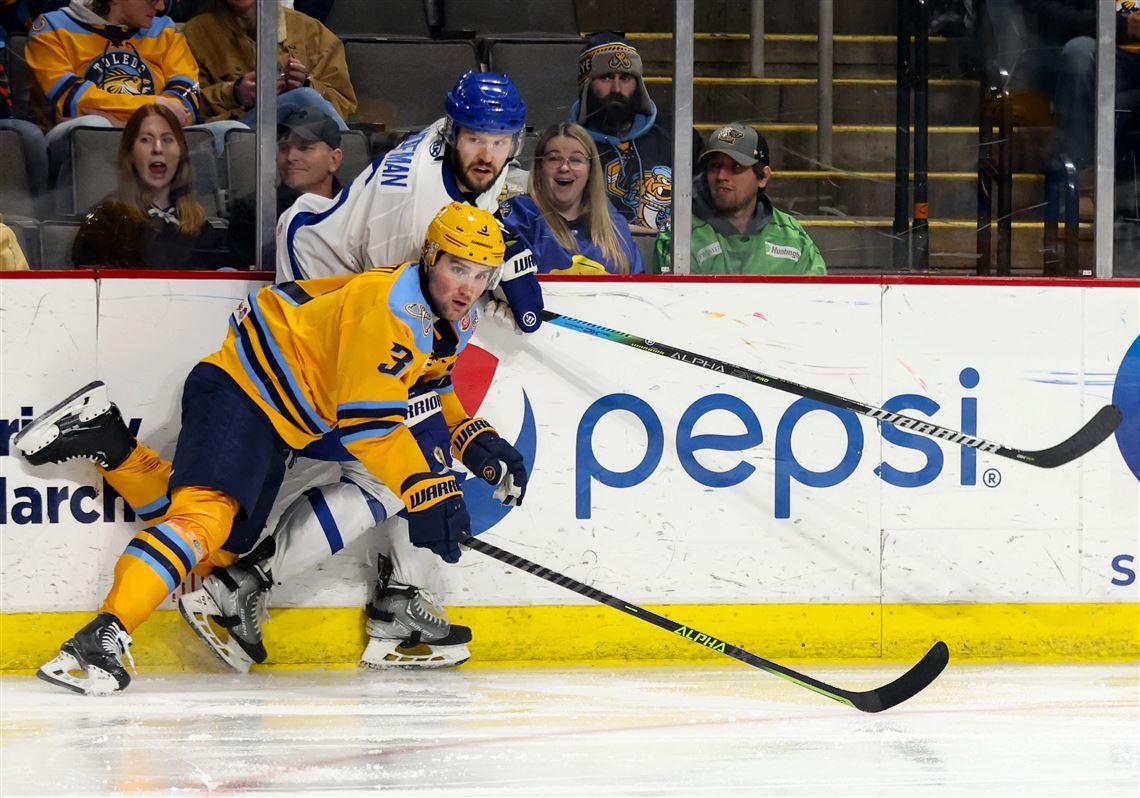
152	220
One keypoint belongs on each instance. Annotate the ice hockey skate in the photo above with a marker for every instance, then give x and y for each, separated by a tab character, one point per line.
408	629
85	425
92	662
227	613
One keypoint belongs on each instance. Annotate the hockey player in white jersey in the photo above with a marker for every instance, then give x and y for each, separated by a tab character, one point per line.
381	218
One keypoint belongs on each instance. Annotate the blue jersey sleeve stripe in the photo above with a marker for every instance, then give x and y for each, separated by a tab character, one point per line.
285	376
397	407
62	85
74	95
365	432
394	417
292	293
186	100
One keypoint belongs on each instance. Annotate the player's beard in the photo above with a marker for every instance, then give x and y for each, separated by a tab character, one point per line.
611	114
471	182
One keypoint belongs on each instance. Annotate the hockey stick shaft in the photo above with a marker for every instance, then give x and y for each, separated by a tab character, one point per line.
906	686
1095	431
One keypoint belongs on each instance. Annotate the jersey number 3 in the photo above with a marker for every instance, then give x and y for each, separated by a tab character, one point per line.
401	359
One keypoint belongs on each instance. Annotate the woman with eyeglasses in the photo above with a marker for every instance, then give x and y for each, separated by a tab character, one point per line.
565	219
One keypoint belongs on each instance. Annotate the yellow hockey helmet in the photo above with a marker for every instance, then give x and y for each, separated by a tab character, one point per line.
467	232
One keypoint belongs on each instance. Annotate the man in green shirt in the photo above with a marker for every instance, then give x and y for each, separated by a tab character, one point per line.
735	228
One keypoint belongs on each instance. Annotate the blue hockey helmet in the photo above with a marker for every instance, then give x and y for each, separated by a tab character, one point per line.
485	102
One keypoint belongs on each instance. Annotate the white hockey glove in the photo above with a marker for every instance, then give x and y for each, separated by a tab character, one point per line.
500	310
507	491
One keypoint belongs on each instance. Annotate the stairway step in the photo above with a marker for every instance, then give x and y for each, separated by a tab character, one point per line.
950	148
776	99
794	55
780	16
867	245
865	193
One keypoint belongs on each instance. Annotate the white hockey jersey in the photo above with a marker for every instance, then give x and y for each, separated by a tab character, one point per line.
380	219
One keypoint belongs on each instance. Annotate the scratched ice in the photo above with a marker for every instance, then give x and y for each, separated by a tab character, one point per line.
621	730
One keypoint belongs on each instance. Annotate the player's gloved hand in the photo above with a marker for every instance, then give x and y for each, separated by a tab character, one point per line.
500	311
491	458
437	515
519	287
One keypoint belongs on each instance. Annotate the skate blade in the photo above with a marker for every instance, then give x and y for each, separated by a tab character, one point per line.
196	609
42	431
62	671
384	654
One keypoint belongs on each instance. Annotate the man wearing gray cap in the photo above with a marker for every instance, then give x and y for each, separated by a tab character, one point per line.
308	155
735	228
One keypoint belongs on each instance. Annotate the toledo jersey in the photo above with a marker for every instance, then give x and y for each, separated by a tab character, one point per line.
344	353
531	243
84	65
380	218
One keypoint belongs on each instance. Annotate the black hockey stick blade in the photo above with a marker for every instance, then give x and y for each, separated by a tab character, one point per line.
906	686
1084	440
1095	431
911	683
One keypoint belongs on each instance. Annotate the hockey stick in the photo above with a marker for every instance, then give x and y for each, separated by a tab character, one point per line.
1084	440
885	697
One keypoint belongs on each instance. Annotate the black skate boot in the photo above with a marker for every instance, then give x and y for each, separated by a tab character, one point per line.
96	651
235	599
84	425
408	629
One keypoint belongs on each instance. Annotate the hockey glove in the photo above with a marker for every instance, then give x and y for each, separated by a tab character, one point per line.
520	288
488	456
437	515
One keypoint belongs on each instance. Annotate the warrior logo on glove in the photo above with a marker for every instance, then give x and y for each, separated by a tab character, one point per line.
484	452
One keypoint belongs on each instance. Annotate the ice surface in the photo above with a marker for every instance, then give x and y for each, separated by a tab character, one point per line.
620	730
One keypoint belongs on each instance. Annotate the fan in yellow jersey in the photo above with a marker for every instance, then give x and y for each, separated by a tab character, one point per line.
300	360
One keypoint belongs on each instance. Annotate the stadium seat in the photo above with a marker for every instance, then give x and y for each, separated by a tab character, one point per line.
368	17
55	244
16	187
494	18
241	163
28	237
645	244
94	152
545	72
402	83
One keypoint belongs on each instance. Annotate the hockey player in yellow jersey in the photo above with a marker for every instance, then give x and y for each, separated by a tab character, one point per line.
301	360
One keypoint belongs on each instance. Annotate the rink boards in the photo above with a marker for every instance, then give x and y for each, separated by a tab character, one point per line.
758	516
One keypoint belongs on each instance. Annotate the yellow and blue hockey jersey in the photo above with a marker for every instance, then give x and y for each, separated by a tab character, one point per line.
81	64
343	353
